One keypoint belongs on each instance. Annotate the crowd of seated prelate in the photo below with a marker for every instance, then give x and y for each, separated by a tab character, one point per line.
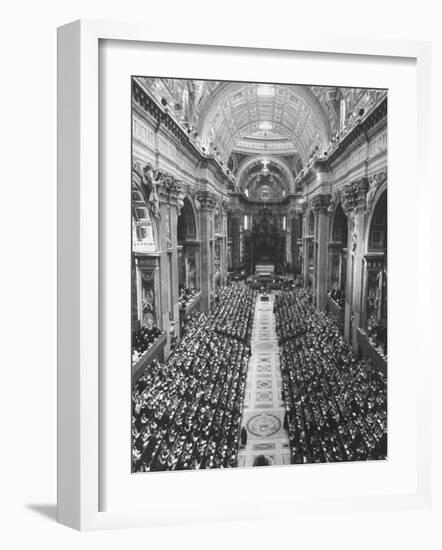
338	296
143	340
186	296
187	411
336	405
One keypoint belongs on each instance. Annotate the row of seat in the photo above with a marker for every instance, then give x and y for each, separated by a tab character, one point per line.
336	405
187	411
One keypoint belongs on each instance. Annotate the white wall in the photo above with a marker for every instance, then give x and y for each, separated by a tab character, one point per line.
28	221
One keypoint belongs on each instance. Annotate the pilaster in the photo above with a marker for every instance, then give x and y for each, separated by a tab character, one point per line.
207	203
354	205
321	203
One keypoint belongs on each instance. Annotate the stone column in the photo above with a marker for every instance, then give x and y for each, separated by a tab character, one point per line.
321	203
224	214
163	269
288	238
305	248
235	224
354	203
296	242
207	204
173	254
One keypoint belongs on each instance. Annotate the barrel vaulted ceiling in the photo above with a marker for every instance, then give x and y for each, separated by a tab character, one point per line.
260	119
289	117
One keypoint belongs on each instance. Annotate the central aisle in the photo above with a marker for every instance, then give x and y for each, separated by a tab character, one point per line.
263	414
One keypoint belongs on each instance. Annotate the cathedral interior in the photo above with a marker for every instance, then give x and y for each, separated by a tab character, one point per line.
259	274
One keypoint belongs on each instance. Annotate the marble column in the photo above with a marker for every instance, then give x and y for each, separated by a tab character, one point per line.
235	225
163	269
173	271
354	202
207	203
296	240
321	203
288	239
224	266
305	250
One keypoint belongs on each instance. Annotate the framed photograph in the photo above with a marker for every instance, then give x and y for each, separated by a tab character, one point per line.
230	290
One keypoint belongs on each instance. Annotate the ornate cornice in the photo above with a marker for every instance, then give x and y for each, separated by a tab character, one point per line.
142	98
361	129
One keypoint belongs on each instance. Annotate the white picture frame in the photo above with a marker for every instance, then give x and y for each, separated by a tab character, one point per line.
79	266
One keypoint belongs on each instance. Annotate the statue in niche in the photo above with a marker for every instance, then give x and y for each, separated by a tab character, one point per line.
191	273
148	307
150	183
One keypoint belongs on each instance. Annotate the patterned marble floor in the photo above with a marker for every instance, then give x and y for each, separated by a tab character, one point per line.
263	415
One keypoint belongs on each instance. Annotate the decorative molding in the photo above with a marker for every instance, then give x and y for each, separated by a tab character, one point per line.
321	203
354	196
374	262
206	200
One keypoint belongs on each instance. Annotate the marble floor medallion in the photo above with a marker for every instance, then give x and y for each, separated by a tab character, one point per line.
264	425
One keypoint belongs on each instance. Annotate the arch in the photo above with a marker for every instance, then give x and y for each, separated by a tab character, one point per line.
187	226
339	226
249	163
223	120
376	235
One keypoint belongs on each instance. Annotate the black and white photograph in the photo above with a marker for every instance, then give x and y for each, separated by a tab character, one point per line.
259	274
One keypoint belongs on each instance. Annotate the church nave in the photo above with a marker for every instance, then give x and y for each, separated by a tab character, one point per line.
263	413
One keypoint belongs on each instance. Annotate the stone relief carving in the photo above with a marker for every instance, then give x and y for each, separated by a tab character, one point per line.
321	203
205	199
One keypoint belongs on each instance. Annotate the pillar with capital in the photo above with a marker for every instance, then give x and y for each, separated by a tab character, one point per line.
236	241
224	217
320	204
298	249
306	243
207	204
288	238
354	205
